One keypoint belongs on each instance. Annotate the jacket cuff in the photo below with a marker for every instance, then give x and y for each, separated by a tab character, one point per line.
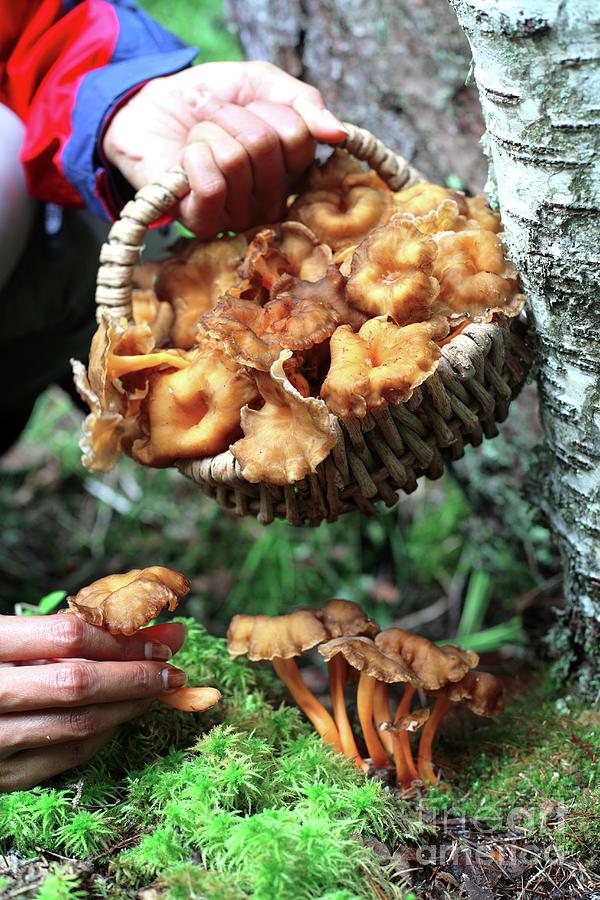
102	92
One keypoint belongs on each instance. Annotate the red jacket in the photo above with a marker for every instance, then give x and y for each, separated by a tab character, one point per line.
65	67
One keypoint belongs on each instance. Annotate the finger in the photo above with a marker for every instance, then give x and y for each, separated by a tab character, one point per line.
202	211
260	142
66	636
26	731
296	140
234	164
267	82
79	683
24	770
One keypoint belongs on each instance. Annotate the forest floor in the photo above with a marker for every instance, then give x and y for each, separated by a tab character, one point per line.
246	801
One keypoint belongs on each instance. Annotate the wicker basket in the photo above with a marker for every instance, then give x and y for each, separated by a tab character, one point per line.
479	373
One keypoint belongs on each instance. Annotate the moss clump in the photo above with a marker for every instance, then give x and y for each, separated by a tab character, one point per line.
244	801
536	768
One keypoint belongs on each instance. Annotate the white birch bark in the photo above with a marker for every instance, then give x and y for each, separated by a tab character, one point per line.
537	67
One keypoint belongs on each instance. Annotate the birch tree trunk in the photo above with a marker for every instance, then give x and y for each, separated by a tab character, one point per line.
537	67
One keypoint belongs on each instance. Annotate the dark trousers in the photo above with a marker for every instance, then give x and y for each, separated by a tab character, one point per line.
47	313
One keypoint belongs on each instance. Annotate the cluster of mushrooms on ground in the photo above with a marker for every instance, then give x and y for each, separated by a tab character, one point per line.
359	655
256	342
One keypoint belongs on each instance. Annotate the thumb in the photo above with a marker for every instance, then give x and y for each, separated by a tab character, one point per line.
321	123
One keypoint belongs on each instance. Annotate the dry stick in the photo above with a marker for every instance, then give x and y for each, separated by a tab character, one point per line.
337	667
425	764
312	708
383	714
364	702
406	771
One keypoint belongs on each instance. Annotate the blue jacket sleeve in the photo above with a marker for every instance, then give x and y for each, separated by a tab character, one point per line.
143	51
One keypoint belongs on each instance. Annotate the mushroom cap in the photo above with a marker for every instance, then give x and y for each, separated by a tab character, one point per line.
289	248
482	692
148	310
193	281
445	217
382	364
343	202
476	279
344	618
340	170
480	211
266	637
298	316
289	436
197	699
329	291
193	412
433	666
363	654
424	197
391	273
125	603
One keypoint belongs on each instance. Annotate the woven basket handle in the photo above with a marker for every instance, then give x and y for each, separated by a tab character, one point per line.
125	239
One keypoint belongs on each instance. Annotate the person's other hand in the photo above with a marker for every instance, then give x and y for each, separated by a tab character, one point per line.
65	687
243	131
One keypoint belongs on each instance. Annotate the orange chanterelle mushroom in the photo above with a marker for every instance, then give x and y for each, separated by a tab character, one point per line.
194	411
298	316
476	279
289	436
193	281
125	603
343	203
279	639
121	357
391	273
381	364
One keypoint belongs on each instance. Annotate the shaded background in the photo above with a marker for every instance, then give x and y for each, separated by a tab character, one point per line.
464	553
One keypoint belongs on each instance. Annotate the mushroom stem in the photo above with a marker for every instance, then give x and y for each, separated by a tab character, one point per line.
383	714
425	764
364	702
406	771
337	667
312	708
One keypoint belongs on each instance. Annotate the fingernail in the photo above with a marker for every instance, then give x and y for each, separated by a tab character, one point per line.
173	678
330	121
156	650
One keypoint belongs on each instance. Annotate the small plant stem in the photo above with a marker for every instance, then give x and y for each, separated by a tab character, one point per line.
383	714
337	667
312	708
406	771
364	702
425	764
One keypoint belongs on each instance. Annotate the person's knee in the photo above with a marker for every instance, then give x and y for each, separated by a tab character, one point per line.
17	207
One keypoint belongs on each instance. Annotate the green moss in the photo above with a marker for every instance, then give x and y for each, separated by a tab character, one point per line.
245	801
536	767
61	884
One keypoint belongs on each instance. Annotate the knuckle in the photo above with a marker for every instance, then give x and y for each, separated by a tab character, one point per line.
263	65
259	141
212	189
144	677
83	722
73	682
68	635
232	163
